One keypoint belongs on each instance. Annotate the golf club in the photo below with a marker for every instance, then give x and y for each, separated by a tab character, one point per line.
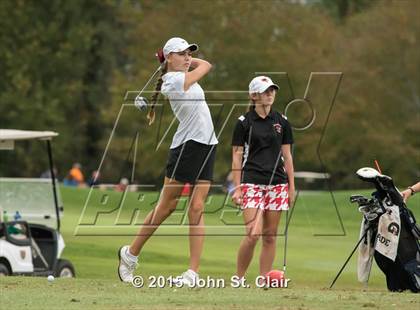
285	241
141	102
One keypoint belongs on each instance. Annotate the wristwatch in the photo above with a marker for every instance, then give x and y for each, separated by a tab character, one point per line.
412	190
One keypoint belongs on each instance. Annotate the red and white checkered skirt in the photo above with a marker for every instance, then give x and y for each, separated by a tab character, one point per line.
265	197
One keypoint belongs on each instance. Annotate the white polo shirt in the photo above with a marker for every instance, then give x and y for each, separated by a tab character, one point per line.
191	110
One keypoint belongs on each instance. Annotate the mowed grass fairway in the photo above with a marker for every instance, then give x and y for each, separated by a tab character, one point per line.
317	249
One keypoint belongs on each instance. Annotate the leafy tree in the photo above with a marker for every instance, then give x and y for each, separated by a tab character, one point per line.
57	59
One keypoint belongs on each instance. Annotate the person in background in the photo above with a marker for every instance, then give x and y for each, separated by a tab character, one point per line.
47	174
94	179
75	176
410	191
122	185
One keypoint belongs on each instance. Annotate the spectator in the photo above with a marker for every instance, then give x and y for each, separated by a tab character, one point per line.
94	179
122	185
410	191
75	176
47	174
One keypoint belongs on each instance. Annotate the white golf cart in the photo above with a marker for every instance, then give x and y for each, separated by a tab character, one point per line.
30	239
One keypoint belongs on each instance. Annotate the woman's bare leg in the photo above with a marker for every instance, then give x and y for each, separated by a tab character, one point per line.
252	219
269	236
196	222
166	205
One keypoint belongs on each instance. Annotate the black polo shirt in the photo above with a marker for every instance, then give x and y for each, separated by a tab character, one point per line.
262	139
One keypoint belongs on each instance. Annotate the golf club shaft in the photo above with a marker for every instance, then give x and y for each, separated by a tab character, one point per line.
150	79
351	254
285	240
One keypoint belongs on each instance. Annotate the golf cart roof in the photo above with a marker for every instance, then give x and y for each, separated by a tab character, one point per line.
36	199
13	134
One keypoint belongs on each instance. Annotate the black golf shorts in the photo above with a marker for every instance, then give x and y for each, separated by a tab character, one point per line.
191	161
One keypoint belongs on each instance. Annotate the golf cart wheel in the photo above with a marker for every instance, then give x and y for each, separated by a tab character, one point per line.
64	269
4	270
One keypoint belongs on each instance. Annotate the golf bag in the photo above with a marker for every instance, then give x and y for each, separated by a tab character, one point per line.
383	230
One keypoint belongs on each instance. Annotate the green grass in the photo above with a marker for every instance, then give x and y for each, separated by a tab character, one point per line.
108	294
317	248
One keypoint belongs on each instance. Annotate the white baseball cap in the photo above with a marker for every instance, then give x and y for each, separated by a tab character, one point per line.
176	45
260	84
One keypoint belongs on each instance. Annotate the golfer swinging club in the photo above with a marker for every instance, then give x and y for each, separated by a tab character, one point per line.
263	173
191	155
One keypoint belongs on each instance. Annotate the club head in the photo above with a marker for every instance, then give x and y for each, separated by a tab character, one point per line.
141	103
361	200
368	174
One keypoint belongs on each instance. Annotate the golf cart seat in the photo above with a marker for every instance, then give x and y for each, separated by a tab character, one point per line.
44	245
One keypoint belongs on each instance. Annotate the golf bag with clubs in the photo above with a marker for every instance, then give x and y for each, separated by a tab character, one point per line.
389	232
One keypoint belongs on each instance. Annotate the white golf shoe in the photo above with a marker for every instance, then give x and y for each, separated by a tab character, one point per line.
126	266
188	278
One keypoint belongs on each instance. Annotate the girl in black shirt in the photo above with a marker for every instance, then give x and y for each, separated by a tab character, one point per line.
263	174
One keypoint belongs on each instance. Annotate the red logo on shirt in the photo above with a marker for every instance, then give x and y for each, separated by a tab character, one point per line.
277	128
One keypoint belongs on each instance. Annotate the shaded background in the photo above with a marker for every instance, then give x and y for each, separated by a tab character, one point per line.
67	65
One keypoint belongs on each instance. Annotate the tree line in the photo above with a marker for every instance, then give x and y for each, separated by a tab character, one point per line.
73	66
